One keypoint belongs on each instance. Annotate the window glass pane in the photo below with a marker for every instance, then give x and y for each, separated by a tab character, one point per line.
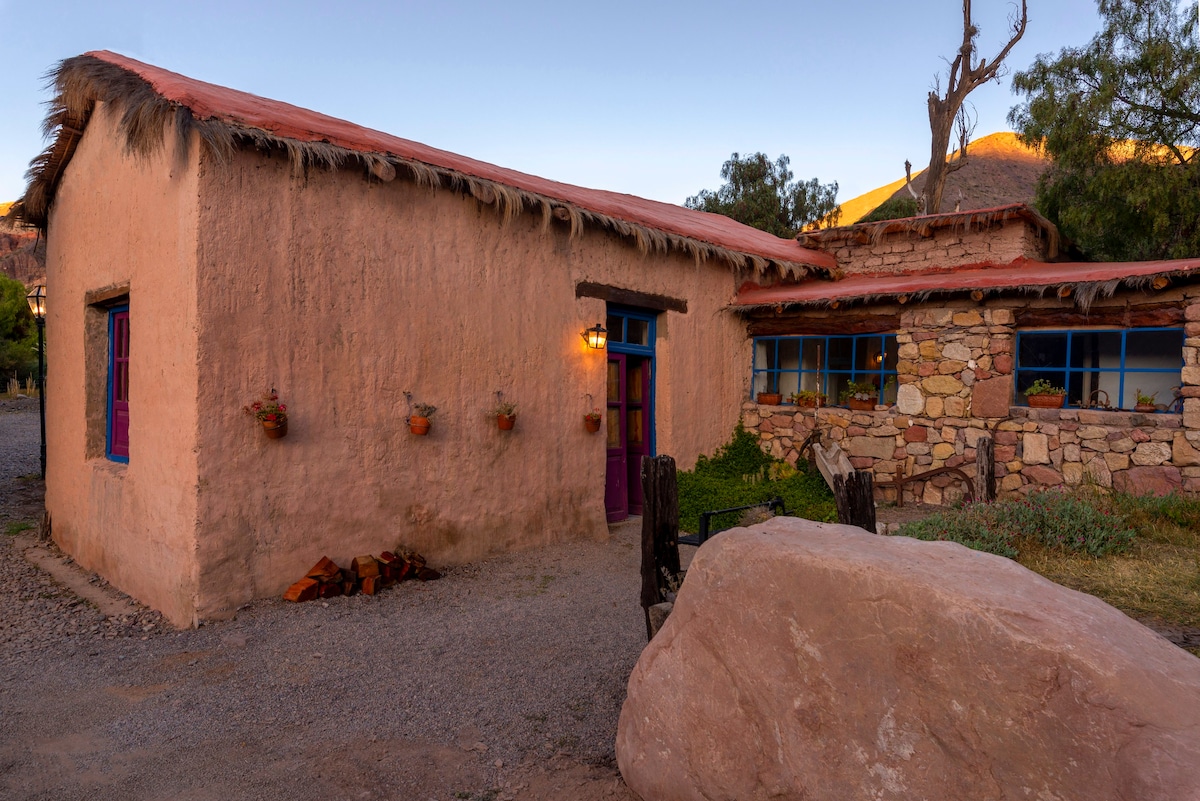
789	382
633	430
616	328
633	389
869	354
814	353
789	354
637	331
841	353
1094	349
1154	349
614	382
1042	350
765	355
613	423
1025	378
890	354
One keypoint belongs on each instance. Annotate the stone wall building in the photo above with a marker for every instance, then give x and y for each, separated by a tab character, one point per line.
969	309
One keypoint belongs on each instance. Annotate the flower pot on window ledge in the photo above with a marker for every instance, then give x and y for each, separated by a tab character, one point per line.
770	398
862	405
1045	401
275	429
1145	408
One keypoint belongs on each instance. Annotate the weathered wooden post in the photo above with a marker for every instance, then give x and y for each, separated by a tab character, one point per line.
855	498
660	532
985	470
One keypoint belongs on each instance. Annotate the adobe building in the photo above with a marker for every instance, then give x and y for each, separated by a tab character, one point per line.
206	245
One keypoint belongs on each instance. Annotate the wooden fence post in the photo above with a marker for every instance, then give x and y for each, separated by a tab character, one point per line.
855	497
985	470
660	531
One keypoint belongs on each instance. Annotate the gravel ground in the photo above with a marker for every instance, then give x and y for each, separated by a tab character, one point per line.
502	680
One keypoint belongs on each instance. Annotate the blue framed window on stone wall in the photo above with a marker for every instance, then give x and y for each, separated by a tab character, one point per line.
1102	367
825	364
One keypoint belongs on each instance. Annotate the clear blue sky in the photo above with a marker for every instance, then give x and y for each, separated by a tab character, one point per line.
647	97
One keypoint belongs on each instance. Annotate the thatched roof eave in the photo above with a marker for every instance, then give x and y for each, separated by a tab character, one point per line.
150	101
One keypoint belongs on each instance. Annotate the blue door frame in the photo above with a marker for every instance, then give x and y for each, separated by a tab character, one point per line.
630	407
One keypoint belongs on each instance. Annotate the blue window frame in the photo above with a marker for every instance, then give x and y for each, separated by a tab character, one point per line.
825	364
1102	367
117	425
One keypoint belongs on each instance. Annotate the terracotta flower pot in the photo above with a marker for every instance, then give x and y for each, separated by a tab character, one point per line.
1045	401
506	421
1145	408
418	425
591	424
275	429
860	405
811	403
770	398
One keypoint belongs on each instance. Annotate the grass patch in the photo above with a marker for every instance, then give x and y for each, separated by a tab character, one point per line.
1140	554
740	474
13	529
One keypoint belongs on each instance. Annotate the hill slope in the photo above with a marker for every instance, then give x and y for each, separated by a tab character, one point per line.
999	170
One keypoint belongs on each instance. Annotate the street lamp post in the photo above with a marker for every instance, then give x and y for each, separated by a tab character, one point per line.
37	305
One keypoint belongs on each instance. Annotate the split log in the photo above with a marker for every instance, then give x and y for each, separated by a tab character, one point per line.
349	587
660	533
324	570
303	590
985	470
329	590
428	574
371	585
855	497
365	566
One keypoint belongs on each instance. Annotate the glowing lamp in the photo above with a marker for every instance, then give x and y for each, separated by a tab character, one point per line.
596	337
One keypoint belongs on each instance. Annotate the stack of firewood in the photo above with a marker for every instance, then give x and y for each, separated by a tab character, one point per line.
367	573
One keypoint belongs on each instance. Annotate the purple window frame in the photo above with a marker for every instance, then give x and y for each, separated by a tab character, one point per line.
118	384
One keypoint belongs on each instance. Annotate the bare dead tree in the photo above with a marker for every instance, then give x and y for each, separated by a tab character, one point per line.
947	114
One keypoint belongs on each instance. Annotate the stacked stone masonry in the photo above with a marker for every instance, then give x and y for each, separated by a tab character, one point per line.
997	244
955	385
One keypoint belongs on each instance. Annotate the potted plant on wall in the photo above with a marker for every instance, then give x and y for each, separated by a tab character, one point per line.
591	420
269	412
418	415
1044	395
1145	403
809	398
860	396
769	398
505	413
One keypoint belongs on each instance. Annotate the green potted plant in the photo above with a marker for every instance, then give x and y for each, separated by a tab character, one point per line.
591	420
1041	394
505	413
860	396
809	398
270	413
1145	403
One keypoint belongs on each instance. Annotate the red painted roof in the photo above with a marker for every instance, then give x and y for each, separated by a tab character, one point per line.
208	101
1020	274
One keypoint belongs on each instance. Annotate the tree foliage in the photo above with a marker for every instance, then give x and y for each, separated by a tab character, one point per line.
762	193
18	332
1120	120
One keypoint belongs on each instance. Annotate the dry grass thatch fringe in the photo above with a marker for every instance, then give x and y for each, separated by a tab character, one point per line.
146	116
1084	293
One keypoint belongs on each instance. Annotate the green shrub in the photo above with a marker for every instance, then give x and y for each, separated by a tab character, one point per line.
740	474
1053	519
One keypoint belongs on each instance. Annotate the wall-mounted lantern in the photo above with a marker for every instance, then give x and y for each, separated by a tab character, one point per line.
596	337
37	305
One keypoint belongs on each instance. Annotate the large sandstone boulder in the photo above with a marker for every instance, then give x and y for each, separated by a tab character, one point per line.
814	661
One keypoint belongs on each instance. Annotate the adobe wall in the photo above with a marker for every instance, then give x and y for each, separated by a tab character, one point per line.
955	375
998	243
124	224
344	293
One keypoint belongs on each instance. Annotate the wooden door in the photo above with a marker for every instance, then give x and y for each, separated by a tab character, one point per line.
628	418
